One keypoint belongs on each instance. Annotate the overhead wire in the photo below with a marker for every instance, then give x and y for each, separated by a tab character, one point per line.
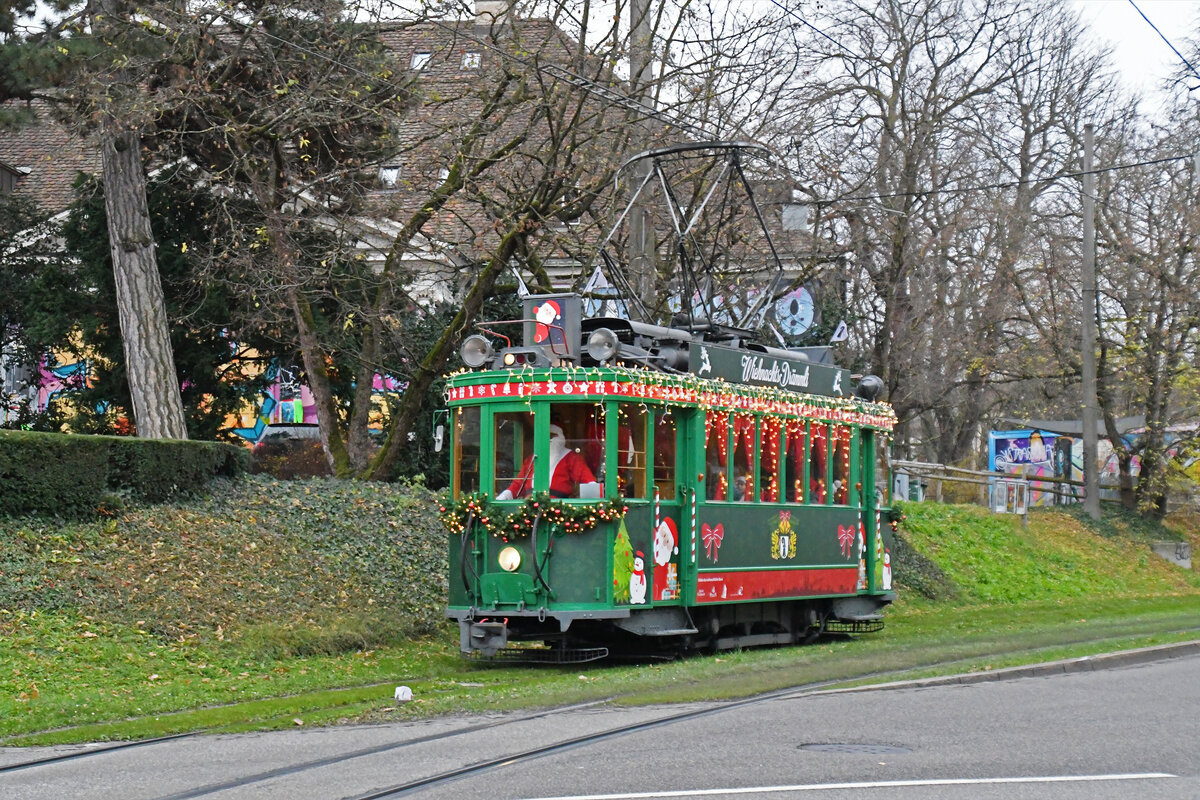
1003	184
1164	38
683	122
593	87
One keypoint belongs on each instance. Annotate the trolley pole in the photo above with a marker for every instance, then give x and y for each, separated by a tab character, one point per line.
642	255
1091	480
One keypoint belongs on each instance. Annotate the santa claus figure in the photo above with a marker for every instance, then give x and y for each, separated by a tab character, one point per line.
567	470
666	544
637	581
549	323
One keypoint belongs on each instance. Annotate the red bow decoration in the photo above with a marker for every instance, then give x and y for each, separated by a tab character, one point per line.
712	539
846	538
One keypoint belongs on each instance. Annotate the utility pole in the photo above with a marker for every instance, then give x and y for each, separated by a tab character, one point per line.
1091	480
642	255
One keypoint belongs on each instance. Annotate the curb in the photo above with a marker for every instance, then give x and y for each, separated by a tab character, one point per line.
1121	658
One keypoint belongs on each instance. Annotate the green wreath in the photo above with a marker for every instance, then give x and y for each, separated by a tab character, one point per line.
517	524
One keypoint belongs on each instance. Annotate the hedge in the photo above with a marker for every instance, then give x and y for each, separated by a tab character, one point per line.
74	475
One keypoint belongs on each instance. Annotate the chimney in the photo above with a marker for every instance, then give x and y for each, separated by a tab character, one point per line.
488	12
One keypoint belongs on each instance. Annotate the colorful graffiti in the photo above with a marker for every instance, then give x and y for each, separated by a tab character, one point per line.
55	381
289	401
1042	454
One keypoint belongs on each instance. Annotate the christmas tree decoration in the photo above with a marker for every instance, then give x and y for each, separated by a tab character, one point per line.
622	564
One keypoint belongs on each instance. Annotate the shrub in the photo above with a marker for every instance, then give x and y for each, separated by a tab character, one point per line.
75	475
287	459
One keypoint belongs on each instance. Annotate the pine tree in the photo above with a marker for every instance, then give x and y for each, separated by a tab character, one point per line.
622	565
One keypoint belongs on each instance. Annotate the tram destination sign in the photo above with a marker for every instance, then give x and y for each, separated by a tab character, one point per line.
760	369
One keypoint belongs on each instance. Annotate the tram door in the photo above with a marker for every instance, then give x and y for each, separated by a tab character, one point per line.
875	481
646	443
671	509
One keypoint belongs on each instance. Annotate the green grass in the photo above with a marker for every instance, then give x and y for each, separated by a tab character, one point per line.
273	604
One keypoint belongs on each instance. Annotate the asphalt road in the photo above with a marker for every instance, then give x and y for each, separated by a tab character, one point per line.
1127	731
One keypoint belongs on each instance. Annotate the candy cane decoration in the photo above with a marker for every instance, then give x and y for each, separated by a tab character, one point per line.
693	526
657	510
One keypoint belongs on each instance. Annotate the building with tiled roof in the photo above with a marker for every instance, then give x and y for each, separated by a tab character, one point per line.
42	161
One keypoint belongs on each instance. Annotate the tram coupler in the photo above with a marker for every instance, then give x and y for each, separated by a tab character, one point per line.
485	638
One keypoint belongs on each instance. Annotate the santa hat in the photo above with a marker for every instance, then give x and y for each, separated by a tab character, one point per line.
670	523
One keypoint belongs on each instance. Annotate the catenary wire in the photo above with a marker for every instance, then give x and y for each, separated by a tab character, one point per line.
1164	38
592	87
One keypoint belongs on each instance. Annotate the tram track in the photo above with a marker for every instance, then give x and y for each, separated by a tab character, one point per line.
483	765
93	751
532	754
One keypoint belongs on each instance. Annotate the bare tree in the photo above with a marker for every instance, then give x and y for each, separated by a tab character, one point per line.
935	133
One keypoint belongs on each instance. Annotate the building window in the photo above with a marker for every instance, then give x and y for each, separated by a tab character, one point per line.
419	60
471	61
389	176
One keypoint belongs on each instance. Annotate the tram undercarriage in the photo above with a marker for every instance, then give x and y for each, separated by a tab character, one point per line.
666	632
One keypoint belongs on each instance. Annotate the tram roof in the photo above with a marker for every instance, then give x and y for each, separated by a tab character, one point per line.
597	384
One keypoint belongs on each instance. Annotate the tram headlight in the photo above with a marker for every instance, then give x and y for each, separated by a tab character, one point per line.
602	344
476	351
509	559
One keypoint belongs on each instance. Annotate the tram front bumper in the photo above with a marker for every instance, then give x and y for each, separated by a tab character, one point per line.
486	638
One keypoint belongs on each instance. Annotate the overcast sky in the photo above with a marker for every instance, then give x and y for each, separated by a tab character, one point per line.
1141	55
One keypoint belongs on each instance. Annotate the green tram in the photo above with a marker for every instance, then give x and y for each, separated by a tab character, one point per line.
619	486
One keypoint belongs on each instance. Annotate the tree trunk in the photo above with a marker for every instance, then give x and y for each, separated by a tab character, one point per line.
317	377
384	464
149	361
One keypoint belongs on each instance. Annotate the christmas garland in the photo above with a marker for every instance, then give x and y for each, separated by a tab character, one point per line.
517	524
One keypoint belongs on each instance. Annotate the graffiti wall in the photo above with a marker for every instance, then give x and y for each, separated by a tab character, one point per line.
289	401
1042	454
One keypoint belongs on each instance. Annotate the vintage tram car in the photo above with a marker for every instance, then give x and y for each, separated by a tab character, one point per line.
620	486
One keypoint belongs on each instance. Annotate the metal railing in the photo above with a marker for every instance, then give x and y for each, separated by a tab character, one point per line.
1059	491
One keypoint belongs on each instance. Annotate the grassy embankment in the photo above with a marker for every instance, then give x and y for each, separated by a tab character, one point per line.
270	604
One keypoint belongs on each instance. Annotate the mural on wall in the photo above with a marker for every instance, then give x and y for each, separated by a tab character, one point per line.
1041	454
54	381
289	401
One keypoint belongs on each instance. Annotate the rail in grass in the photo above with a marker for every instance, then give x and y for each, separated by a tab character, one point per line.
618	486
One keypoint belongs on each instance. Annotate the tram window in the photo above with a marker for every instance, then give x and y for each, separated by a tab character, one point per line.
743	458
664	455
839	444
631	450
584	429
466	451
883	483
716	455
512	436
795	456
818	451
772	429
854	484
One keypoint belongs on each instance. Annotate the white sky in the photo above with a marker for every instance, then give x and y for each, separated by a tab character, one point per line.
1142	57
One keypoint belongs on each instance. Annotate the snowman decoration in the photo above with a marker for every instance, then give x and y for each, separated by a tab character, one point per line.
887	570
637	581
